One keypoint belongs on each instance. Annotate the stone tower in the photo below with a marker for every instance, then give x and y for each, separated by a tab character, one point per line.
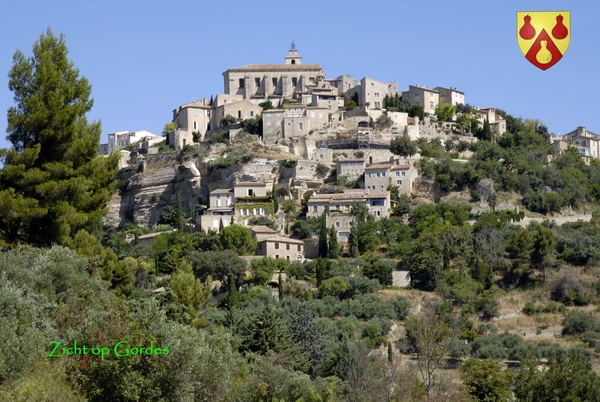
293	57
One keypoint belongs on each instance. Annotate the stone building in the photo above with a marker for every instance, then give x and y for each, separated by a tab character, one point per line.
351	168
450	95
240	110
377	176
497	123
281	247
122	139
292	121
403	177
422	96
377	202
372	92
586	142
259	82
190	117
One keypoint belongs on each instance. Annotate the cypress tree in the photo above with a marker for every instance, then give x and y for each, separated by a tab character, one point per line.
390	352
280	285
333	248
179	215
274	198
353	240
323	232
221	225
53	182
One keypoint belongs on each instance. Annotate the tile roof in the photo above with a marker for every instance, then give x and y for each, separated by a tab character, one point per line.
350	160
262	229
276	67
281	239
382	166
251	183
222	191
400	167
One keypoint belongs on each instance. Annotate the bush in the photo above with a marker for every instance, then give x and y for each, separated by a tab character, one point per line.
578	322
401	307
322	169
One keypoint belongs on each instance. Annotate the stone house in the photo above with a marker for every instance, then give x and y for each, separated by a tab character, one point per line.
585	141
372	92
422	96
450	95
190	117
292	121
122	139
377	202
281	247
497	123
260	82
403	177
240	110
351	168
377	176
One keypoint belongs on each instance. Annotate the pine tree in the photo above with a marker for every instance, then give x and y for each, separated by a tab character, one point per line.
234	297
53	182
390	357
274	199
221	225
333	248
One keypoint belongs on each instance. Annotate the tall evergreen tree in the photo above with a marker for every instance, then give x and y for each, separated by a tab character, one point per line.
323	234
53	182
353	240
179	215
333	250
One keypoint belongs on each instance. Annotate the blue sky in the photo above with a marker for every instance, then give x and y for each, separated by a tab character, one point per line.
144	59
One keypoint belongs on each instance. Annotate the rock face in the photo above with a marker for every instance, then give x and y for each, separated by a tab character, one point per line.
155	183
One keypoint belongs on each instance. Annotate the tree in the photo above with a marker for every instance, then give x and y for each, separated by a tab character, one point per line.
228	120
302	230
266	105
542	255
384	122
403	146
353	240
429	336
262	220
53	182
333	250
323	232
486	380
217	264
191	292
239	239
274	199
485	134
445	111
264	268
170	216
310	337
320	268
169	128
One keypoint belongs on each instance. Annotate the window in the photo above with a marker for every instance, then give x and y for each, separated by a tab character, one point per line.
184	142
320	115
288	257
377	203
347	207
337	224
276	246
266	211
241	82
403	174
300	126
257	82
378	213
218	203
260	246
287	246
378	174
372	84
276	255
431	105
312	114
278	124
315	208
311	80
275	82
195	112
256	211
195	126
250	192
399	182
299	247
397	174
377	94
382	174
269	124
294	81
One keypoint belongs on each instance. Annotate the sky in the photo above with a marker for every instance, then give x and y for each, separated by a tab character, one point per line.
144	59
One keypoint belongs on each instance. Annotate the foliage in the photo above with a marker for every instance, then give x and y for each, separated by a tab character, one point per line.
169	128
403	146
486	380
53	182
322	169
253	125
301	229
228	120
263	221
266	105
380	270
384	122
191	292
445	111
217	264
239	239
264	268
333	250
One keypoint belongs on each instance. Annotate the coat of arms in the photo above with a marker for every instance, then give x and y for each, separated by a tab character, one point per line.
543	36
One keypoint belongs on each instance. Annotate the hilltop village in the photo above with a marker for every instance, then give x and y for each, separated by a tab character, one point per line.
323	143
